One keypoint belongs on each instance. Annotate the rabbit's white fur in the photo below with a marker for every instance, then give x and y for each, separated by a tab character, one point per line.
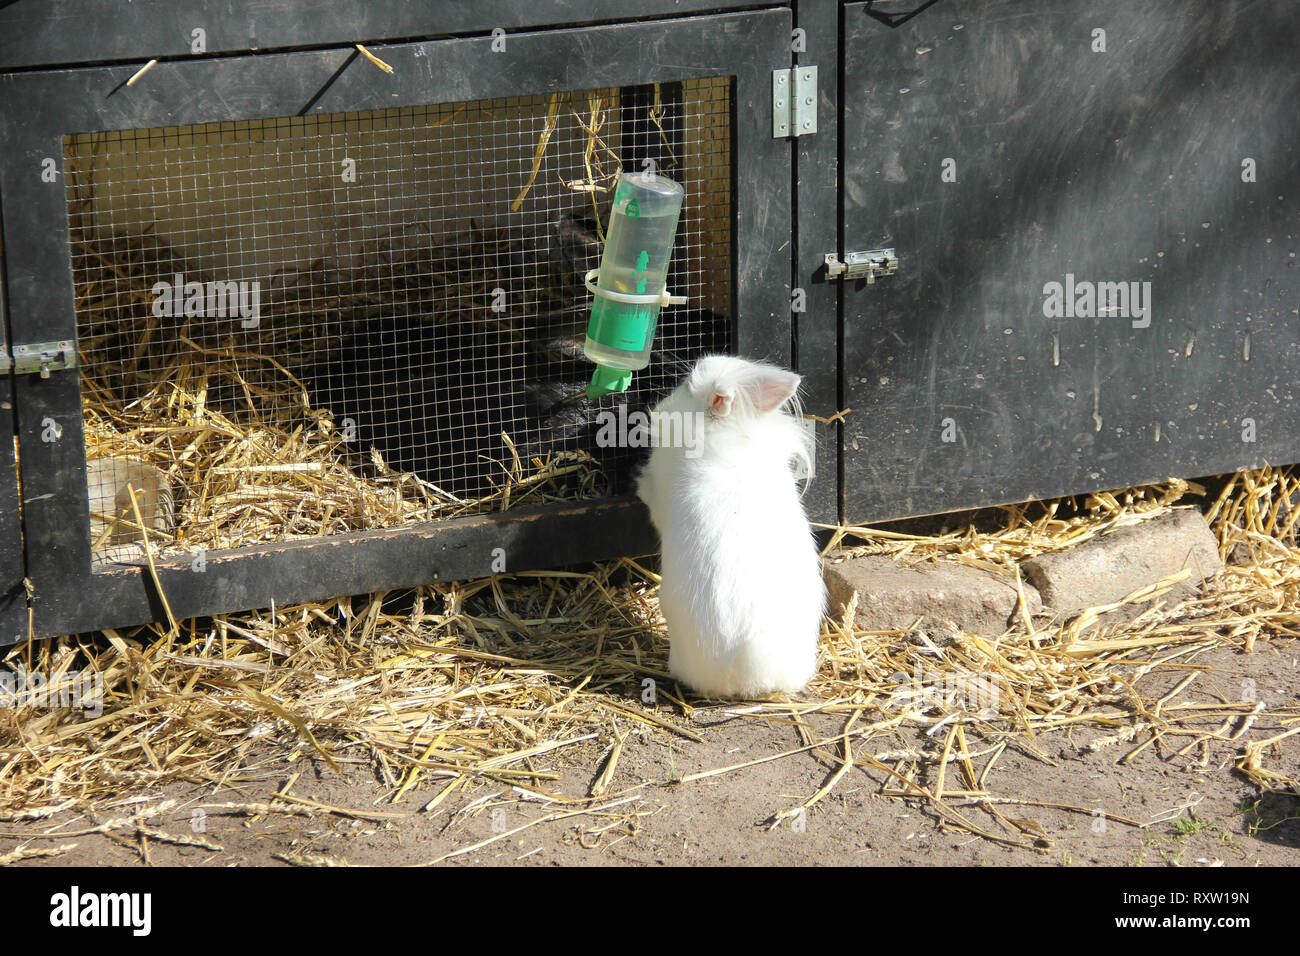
742	590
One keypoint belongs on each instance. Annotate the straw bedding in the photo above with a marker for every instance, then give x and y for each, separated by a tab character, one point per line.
482	680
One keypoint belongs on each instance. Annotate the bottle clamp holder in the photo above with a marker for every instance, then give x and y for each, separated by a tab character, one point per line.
661	299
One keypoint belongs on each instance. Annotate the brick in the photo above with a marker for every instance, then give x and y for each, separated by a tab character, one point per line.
1103	570
891	595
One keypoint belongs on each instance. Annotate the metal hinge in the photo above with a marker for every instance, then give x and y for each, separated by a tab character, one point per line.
43	358
862	265
794	102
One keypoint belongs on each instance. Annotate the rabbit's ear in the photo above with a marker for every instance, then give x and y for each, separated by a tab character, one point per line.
770	388
720	400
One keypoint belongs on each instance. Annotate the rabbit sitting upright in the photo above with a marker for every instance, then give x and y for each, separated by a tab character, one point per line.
742	591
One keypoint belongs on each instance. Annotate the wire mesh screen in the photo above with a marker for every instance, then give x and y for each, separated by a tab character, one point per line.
321	324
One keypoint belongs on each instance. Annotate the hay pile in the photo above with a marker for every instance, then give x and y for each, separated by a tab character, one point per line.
238	485
489	680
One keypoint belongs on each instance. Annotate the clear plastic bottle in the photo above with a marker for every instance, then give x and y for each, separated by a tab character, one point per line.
638	245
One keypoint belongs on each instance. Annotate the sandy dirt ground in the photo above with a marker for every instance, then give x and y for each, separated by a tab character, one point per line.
1054	801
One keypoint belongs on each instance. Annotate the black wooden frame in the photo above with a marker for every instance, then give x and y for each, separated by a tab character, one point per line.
38	107
40	33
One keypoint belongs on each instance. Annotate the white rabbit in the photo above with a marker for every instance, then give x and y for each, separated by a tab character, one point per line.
742	590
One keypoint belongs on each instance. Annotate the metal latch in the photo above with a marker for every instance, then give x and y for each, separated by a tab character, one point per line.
794	102
862	265
44	357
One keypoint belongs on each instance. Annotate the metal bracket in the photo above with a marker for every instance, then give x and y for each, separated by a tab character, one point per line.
44	357
794	102
862	265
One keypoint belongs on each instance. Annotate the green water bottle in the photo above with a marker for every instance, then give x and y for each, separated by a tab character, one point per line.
628	288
